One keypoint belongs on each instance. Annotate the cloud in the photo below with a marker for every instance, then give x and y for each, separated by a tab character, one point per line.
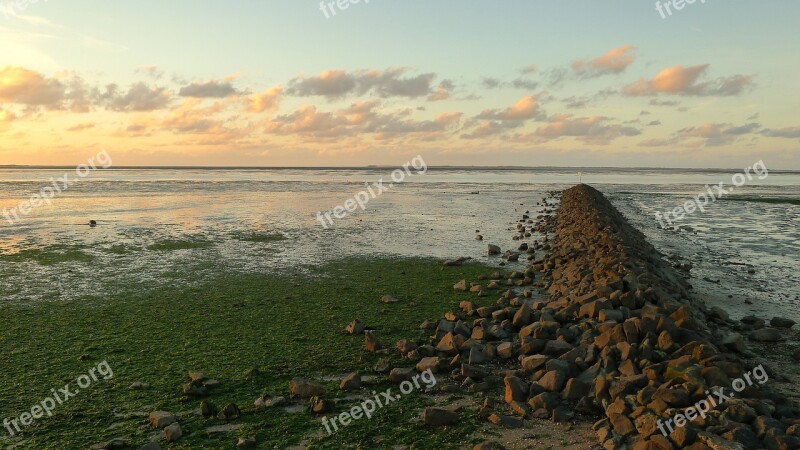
151	70
718	133
26	87
657	102
81	126
526	108
528	69
679	80
592	130
660	142
517	83
266	101
210	89
362	117
337	84
140	97
491	128
613	61
788	133
443	92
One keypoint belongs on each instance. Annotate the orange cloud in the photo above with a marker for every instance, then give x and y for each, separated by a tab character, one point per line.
524	109
680	80
26	87
614	61
266	101
592	129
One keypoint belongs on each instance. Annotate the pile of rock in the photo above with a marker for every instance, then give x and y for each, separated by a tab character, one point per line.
619	337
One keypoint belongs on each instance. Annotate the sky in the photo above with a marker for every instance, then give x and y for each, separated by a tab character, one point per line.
304	83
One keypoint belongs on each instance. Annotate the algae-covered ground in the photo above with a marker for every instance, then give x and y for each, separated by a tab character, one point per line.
282	325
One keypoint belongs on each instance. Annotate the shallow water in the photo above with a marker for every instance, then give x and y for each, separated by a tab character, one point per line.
159	228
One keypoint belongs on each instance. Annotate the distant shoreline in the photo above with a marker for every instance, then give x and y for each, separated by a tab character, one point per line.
383	168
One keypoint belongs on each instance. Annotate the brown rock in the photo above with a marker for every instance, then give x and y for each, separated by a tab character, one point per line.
305	389
438	417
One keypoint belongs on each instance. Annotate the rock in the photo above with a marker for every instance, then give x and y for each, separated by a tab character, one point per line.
194	389
717	443
460	286
734	341
371	342
112	444
767	335
562	414
621	424
246	443
432	363
160	419
557	348
439	417
321	406
575	389
196	376
478	237
400	374
552	381
351	382
506	421
389	299
150	446
138	386
780	322
382	366
516	389
494	250
173	432
796	355
207	409
229	413
505	350
355	327
305	389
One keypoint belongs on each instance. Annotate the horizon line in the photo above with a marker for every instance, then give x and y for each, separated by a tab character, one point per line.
373	167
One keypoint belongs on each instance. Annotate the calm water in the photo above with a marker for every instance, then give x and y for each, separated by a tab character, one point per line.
165	227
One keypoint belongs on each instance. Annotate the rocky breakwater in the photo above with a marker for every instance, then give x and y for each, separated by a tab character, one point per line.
640	347
617	336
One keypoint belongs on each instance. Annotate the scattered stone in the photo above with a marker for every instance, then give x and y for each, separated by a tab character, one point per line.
371	342
250	442
780	322
351	382
389	299
305	389
160	419
767	335
229	413
354	327
173	432
438	417
460	286
207	409
494	250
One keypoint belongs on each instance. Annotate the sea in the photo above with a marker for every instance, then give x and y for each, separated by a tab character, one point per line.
158	228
